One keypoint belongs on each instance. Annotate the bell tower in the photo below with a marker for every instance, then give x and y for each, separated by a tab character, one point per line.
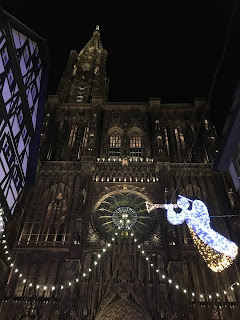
85	74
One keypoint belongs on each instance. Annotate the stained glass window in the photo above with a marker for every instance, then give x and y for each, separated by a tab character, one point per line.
124	213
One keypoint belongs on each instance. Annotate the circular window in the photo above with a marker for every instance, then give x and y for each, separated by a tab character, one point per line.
124	218
124	214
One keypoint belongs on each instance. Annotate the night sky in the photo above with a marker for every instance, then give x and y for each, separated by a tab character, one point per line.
167	49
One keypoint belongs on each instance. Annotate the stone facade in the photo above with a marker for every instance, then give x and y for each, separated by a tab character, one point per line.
99	161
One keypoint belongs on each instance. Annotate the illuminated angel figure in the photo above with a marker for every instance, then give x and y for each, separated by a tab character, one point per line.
218	252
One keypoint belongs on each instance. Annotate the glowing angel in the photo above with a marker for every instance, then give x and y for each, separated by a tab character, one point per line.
218	252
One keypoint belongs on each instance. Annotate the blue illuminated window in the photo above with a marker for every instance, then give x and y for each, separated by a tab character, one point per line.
26	54
6	146
10	77
33	90
39	63
14	173
36	51
24	132
20	117
9	155
17	181
5	56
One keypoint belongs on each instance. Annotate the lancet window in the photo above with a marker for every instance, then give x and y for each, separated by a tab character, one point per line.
55	218
115	144
135	144
72	136
85	136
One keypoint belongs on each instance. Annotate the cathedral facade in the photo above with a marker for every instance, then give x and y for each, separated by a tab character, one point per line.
88	246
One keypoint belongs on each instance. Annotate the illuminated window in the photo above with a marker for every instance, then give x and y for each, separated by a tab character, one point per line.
72	136
10	76
115	144
39	63
5	146
85	137
80	94
9	155
53	228
20	117
26	54
135	145
24	132
14	174
5	56
166	141
36	51
33	90
79	98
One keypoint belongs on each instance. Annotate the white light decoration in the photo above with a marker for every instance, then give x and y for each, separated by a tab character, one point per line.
217	251
164	277
1	221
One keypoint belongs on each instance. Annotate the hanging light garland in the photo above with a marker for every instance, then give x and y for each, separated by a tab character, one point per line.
83	275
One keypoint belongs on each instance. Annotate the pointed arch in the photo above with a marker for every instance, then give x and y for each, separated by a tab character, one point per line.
123	309
135	142
115	141
54	220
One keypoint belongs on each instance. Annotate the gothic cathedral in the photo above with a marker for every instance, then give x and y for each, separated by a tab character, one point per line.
94	241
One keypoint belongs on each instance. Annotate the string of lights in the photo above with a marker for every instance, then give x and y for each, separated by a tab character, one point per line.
43	286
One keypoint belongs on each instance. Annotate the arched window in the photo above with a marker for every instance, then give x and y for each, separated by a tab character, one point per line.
72	136
135	144
55	218
115	141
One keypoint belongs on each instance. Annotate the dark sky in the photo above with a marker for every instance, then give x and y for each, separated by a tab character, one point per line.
167	49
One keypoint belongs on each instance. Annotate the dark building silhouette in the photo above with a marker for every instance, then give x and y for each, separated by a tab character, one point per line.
229	151
87	248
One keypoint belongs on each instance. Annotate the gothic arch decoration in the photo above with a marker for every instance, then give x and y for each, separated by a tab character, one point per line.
178	119
124	212
74	118
123	309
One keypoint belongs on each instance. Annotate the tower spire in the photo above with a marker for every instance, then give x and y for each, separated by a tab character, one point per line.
85	74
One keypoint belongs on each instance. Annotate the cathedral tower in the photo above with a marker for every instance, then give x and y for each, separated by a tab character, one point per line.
88	247
85	74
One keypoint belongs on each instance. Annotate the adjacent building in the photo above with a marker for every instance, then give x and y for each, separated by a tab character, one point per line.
88	245
23	83
229	151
